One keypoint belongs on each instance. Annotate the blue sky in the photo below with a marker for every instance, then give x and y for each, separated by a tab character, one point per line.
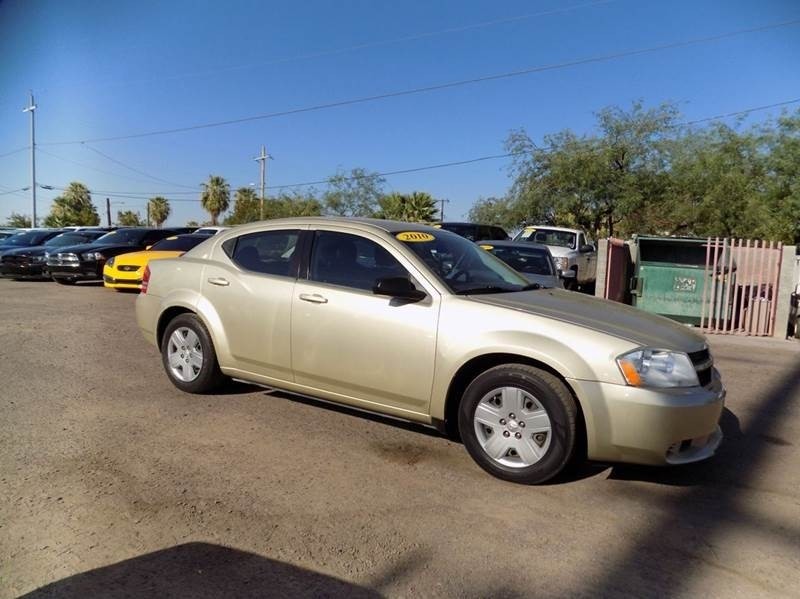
102	69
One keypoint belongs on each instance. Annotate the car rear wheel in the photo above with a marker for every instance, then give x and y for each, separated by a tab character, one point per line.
188	355
519	423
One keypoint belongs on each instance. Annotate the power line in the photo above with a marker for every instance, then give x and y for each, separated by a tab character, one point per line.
368	45
14	191
135	170
93	168
17	151
144	195
441	86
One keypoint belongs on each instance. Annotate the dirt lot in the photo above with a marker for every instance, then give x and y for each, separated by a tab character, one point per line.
113	483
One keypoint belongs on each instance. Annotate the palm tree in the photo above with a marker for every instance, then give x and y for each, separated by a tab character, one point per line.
420	207
216	197
159	210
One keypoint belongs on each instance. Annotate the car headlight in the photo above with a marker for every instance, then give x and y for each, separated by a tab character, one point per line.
657	368
562	263
92	256
110	261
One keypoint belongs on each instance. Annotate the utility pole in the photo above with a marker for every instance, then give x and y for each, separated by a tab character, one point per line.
148	214
262	158
108	211
31	108
441	211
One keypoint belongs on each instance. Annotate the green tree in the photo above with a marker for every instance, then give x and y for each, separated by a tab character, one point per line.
246	207
215	197
192	223
159	210
73	207
593	181
353	194
19	220
129	218
414	207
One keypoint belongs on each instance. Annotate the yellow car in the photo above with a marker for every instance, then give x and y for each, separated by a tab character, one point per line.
125	271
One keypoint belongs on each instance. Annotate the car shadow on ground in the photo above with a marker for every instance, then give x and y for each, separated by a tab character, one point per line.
200	570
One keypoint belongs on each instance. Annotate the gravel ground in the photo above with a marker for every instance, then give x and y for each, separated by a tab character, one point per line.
115	484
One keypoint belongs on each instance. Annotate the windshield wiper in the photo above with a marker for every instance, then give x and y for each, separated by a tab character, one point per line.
486	289
531	286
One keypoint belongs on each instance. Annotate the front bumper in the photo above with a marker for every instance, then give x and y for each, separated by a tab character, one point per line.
78	271
651	426
118	283
23	269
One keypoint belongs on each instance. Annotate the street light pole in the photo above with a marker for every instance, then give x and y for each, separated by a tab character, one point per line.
31	108
441	213
262	158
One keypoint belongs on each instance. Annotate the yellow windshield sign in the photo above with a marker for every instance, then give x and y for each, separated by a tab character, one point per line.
437	226
530	229
487	247
415	236
173	237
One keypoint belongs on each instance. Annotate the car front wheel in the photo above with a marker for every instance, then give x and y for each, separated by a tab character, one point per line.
518	423
188	355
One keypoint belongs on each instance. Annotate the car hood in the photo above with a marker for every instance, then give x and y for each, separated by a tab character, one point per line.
612	318
559	251
95	247
145	256
34	250
543	280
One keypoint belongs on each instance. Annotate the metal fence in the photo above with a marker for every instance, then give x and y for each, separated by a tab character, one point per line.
740	286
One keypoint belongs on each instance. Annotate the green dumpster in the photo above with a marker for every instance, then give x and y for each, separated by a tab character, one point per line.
669	276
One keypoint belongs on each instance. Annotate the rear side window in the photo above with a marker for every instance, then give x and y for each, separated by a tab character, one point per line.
351	261
266	252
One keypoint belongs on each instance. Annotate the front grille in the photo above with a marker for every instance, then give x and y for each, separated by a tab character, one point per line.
699	357
62	259
128	267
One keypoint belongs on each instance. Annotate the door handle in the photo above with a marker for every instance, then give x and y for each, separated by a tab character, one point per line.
219	281
314	298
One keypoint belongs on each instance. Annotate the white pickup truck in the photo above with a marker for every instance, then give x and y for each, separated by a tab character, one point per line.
573	252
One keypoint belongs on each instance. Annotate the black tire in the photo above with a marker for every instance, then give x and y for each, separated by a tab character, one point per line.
209	377
63	281
551	393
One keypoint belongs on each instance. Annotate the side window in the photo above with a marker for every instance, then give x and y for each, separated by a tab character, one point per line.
266	252
351	261
152	237
581	240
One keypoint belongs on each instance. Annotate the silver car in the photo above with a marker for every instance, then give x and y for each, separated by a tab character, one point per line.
424	325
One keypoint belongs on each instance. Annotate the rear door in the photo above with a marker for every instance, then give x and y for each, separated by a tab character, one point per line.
250	289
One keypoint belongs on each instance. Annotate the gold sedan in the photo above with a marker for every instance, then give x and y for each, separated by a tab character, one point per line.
421	324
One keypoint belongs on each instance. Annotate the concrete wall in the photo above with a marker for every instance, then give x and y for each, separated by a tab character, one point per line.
786	285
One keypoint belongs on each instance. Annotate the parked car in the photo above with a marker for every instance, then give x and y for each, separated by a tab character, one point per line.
31	262
571	249
29	238
6	232
422	324
85	262
125	270
473	231
210	230
532	261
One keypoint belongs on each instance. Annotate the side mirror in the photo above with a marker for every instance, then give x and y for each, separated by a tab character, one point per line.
585	249
400	287
568	274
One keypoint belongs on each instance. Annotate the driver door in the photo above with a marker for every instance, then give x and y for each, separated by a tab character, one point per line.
354	346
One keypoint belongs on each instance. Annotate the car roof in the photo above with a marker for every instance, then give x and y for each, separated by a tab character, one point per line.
364	224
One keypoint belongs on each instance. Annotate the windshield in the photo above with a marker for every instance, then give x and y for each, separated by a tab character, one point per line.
546	236
178	244
68	239
530	261
461	265
27	238
123	237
